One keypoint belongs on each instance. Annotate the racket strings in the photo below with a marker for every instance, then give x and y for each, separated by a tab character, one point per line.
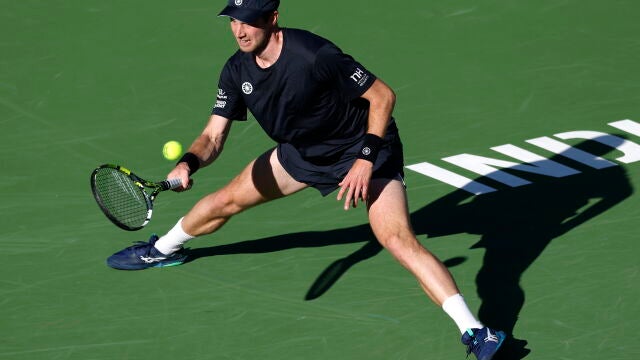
120	197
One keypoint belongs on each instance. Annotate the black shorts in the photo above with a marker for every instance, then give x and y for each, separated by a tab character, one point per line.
325	178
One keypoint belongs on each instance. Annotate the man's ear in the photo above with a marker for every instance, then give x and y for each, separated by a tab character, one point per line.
273	18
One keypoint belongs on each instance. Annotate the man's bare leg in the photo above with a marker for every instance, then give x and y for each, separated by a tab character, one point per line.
263	180
389	218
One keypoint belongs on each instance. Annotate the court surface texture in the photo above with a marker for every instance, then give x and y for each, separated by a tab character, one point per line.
553	260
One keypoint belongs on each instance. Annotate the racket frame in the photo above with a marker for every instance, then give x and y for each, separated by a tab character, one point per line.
141	184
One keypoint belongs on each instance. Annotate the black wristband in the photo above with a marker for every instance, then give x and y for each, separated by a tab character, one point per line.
370	147
191	160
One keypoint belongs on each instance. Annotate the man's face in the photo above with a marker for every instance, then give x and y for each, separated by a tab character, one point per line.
252	38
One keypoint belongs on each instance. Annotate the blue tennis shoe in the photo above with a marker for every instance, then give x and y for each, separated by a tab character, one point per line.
483	343
143	255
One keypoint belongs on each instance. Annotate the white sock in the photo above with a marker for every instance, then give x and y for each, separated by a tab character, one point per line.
173	240
457	309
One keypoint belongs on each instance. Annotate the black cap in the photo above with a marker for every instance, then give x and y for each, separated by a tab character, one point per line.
249	11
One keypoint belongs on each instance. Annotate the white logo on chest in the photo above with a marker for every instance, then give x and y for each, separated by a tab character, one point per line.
238	2
247	88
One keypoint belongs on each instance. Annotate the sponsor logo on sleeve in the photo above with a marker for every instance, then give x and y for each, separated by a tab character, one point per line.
360	77
221	99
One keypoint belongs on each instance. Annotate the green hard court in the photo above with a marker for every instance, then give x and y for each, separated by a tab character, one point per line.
555	262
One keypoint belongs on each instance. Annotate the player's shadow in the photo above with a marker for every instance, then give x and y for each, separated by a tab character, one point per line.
515	225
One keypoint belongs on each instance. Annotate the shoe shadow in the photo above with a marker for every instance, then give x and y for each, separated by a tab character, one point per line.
515	226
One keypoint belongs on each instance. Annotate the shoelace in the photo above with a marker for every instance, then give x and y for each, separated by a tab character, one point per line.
141	245
138	245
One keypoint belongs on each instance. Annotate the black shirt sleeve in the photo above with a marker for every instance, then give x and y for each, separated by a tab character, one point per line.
350	77
229	101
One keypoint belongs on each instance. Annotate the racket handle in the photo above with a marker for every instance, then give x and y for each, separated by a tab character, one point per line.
172	183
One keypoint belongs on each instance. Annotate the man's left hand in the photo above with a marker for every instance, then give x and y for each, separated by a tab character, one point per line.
356	183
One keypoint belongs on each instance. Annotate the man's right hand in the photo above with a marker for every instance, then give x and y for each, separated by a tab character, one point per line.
181	171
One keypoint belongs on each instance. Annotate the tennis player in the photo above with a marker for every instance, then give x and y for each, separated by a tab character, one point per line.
332	121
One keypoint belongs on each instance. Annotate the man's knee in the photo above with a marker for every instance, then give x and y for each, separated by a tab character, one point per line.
399	243
223	204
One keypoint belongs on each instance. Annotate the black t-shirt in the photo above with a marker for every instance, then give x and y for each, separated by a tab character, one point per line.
310	98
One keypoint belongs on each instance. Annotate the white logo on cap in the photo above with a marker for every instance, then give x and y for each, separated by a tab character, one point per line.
247	88
238	2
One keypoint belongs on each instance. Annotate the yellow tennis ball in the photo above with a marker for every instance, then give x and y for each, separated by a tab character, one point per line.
171	150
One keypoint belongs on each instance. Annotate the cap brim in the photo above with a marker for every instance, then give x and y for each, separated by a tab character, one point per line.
245	15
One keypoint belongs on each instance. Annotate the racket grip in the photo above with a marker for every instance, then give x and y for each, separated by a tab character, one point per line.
173	183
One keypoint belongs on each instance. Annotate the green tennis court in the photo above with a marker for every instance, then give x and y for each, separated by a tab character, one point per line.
555	261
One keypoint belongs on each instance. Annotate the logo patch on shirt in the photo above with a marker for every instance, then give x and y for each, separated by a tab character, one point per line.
360	77
247	88
221	100
238	2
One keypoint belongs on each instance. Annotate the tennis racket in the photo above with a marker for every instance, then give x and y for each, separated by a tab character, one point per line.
125	198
